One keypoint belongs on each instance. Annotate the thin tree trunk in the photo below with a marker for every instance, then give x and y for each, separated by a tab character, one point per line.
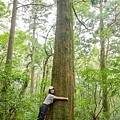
32	71
103	66
11	41
25	85
33	56
8	67
43	82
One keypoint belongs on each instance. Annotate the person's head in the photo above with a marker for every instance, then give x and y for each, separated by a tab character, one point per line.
51	90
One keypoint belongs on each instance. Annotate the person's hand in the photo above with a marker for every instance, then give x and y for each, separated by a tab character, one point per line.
67	98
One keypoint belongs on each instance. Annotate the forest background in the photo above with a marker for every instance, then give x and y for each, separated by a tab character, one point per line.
26	67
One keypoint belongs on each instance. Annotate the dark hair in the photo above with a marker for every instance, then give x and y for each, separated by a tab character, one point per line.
50	92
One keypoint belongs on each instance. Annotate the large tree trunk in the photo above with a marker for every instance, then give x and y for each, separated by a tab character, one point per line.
63	63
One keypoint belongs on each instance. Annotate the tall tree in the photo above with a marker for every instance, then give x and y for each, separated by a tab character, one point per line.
8	66
12	33
103	65
33	50
63	62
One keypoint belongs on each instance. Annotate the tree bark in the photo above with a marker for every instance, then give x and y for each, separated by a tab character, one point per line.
11	38
33	54
102	67
12	34
8	66
63	63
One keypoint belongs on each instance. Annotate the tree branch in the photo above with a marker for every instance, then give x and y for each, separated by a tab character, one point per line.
114	20
78	18
35	4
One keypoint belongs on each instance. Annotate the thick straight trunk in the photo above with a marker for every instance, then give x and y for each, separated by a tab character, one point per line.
63	63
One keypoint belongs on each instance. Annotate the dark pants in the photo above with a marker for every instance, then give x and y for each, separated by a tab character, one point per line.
42	112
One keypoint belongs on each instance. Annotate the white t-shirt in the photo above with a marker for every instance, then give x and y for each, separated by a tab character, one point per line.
49	99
